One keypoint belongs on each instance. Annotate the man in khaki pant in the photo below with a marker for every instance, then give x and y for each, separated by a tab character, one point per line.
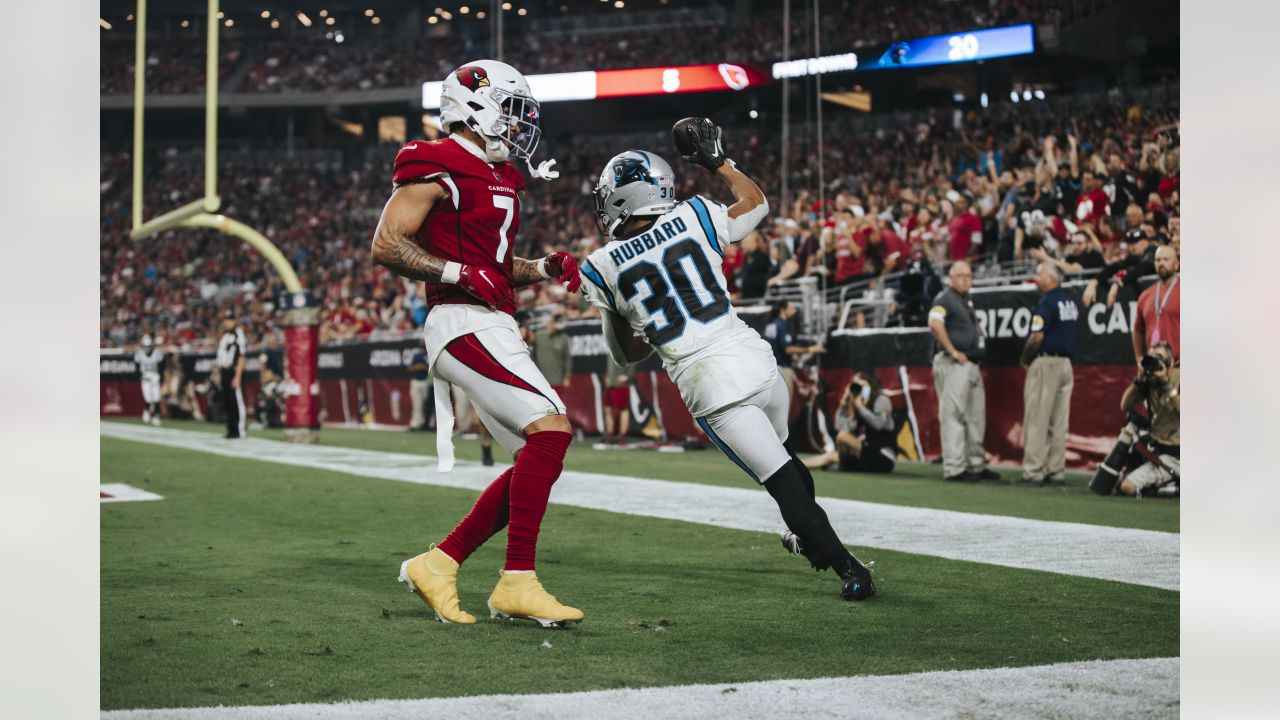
1046	397
962	401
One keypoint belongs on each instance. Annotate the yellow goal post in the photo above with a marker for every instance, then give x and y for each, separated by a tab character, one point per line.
198	213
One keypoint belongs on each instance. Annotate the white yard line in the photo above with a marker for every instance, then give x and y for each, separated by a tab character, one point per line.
1141	557
1103	689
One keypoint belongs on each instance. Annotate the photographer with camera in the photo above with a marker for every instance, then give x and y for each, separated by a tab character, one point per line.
1159	315
864	426
1148	447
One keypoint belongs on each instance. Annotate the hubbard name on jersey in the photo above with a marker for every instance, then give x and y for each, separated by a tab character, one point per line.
668	283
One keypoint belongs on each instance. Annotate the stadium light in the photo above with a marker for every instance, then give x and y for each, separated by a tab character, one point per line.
433	20
464	9
375	20
368	13
324	13
220	15
619	4
522	12
229	22
329	21
1026	94
506	6
1013	95
753	114
104	24
1039	94
275	24
302	18
983	99
129	17
265	14
185	23
480	15
338	37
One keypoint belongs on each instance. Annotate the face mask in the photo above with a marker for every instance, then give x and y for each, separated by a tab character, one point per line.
866	393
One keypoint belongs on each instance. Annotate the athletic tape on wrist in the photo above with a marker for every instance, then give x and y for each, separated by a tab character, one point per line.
542	269
451	273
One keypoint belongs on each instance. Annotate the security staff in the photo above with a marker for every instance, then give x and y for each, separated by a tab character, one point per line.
962	398
1046	396
230	359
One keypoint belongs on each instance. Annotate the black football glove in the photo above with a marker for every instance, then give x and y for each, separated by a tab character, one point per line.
708	152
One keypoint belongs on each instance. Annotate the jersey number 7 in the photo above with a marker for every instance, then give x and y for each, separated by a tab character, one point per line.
684	303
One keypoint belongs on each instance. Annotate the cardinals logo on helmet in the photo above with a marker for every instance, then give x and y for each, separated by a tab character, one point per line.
473	77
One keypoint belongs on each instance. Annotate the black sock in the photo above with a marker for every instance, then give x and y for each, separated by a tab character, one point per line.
805	475
805	517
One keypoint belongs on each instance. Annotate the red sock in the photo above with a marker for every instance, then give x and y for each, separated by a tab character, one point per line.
536	469
487	516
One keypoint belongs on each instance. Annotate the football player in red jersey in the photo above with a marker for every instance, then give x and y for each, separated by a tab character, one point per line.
452	215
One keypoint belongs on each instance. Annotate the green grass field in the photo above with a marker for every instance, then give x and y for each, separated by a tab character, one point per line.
259	583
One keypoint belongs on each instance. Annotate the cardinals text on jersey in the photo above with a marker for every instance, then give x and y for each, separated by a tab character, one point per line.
668	283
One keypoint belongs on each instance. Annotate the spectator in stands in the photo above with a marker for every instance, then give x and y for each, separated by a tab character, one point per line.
864	424
1138	261
964	229
419	389
551	353
1159	315
1084	253
962	401
1046	396
757	267
1158	384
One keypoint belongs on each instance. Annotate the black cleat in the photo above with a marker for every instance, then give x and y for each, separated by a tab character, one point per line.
858	584
987	474
962	477
795	546
486	455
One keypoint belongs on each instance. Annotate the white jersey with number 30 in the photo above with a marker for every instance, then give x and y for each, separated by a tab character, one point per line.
668	283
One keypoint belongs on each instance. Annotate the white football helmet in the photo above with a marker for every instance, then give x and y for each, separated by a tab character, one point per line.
634	183
146	341
493	99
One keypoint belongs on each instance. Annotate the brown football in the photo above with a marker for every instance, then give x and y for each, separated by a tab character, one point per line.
678	136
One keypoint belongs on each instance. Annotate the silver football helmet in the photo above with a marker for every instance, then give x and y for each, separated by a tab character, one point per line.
634	183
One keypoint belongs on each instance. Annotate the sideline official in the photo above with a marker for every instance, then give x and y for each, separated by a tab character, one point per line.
962	397
231	350
1046	396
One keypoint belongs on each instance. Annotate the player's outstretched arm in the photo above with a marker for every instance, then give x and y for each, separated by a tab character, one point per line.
559	265
394	246
747	196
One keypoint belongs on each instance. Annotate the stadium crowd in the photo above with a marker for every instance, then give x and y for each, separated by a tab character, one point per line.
1016	181
263	60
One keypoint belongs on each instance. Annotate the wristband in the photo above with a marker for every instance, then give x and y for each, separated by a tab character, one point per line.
542	269
451	272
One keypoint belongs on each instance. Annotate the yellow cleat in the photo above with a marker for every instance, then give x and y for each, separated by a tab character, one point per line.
520	595
433	575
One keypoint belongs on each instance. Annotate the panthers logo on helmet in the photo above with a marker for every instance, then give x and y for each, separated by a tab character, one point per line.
629	170
473	77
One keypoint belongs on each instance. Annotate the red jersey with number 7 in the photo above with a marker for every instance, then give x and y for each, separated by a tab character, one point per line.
476	224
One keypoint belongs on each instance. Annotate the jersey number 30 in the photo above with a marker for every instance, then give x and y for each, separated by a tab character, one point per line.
684	303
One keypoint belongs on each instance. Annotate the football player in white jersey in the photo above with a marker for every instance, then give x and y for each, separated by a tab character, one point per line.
660	287
149	359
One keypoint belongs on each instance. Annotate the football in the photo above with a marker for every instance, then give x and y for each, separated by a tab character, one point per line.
679	136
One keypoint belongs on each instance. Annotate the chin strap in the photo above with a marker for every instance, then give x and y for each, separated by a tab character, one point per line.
543	171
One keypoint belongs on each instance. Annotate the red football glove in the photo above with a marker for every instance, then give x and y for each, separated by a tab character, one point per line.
564	267
484	283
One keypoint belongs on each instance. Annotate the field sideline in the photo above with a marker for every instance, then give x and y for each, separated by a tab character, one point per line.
257	583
